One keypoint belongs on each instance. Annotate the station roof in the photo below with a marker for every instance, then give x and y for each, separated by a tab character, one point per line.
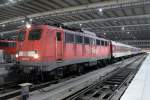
112	19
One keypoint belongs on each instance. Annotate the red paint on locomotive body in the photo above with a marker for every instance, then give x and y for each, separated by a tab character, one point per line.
54	44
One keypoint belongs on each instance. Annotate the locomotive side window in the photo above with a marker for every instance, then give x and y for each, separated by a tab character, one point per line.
69	38
97	42
105	43
86	40
21	36
92	41
108	43
78	39
35	34
58	36
102	43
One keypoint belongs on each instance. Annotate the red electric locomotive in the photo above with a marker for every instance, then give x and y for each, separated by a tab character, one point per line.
48	48
9	47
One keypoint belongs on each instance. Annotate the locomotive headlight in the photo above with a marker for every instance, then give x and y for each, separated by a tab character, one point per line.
36	56
17	55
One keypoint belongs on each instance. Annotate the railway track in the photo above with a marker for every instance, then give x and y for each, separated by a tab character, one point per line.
12	89
106	88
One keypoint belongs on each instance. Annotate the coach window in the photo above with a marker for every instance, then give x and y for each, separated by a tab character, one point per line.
78	39
86	40
69	38
58	35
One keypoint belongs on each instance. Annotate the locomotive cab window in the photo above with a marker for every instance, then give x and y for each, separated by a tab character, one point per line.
35	34
58	36
21	36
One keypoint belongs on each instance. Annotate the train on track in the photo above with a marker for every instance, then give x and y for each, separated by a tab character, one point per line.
44	48
9	50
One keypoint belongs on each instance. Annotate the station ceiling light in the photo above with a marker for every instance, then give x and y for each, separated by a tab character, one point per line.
100	10
12	1
3	25
22	21
28	25
123	28
30	19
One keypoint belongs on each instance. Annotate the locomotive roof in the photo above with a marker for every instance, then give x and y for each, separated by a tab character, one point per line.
79	33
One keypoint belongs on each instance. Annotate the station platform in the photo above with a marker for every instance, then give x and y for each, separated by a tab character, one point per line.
139	88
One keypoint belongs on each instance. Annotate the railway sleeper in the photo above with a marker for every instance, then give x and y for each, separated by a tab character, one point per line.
112	82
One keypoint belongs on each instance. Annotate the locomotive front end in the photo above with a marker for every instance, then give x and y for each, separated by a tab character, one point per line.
30	46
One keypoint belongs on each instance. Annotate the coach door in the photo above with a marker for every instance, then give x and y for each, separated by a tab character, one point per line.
59	45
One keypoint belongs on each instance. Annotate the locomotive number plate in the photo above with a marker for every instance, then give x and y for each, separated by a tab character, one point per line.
26	59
